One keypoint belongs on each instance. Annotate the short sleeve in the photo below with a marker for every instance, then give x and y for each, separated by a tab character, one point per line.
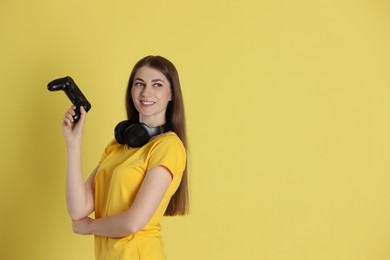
170	153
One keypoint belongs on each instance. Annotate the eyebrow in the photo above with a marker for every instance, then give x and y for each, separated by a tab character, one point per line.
153	80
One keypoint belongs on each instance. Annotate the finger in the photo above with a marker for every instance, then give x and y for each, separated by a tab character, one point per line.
71	111
69	117
82	110
83	115
67	122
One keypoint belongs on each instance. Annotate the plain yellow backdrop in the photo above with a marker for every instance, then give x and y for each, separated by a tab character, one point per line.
288	114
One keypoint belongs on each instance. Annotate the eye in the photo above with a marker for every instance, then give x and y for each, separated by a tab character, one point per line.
157	85
139	84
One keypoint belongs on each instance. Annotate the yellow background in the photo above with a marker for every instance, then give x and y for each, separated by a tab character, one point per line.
288	115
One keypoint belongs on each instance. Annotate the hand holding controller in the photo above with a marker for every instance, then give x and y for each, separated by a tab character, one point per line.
73	92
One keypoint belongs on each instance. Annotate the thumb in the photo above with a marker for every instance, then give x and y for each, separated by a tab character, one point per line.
83	115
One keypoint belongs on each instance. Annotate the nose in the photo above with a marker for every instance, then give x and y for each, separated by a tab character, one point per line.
146	91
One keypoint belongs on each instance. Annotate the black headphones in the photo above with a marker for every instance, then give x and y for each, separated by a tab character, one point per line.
137	134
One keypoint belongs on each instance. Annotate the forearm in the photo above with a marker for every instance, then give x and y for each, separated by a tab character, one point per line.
117	226
76	196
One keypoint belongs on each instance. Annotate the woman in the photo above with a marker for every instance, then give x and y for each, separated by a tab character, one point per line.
133	187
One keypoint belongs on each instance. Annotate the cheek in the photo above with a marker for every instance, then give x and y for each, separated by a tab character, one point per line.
169	95
134	94
163	96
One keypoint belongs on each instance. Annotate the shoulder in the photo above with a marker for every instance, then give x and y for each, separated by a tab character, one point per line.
168	144
113	145
168	139
168	150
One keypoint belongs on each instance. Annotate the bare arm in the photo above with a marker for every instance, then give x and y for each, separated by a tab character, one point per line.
79	195
149	196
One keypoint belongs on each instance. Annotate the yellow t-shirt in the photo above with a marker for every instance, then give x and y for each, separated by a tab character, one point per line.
117	182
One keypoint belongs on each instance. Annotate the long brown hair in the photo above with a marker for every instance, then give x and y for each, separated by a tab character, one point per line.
175	117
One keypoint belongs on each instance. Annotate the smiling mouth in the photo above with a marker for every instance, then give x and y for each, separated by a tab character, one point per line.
147	103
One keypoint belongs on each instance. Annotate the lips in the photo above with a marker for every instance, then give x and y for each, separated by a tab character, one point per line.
147	103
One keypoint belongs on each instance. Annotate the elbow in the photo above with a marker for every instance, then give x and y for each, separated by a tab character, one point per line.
76	215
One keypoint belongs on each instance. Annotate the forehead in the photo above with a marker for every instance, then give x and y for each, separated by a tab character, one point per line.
148	73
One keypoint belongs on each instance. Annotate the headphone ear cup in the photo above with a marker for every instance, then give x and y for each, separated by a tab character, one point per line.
119	131
137	135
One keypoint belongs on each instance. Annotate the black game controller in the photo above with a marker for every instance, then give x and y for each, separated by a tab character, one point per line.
73	92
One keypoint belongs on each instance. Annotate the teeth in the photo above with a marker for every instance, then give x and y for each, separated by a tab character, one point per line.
147	102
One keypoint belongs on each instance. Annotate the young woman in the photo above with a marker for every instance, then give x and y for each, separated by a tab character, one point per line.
133	187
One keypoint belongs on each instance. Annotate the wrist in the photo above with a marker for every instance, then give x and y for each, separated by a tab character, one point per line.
74	145
73	142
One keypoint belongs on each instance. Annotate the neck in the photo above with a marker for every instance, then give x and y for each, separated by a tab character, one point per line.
152	122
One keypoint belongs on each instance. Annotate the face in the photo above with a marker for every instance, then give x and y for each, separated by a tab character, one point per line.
151	93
